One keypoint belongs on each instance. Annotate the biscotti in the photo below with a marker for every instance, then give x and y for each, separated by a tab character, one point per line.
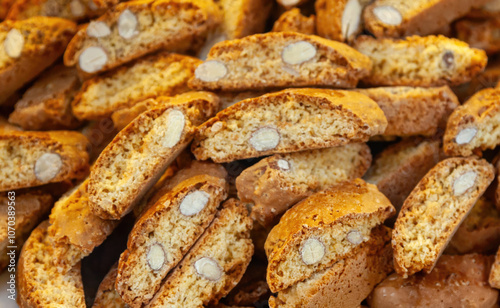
24	43
30	159
494	278
420	61
47	104
99	133
339	20
4	7
243	17
399	18
76	10
277	182
310	238
434	210
413	111
473	127
291	3
486	79
164	233
214	265
280	59
135	28
482	34
287	121
294	21
107	296
40	284
456	281
139	154
346	283
162	74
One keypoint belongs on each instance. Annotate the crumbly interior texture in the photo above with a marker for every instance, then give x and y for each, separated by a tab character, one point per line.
420	61
432	213
41	284
227	242
162	75
175	232
107	296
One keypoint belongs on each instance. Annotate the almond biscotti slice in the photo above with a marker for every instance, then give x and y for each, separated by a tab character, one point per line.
473	127
420	61
107	296
29	208
135	28
346	283
482	34
399	18
30	159
214	265
23	45
280	59
413	110
47	104
434	210
277	182
486	79
163	235
399	168
139	154
288	121
456	281
322	229
161	74
294	21
40	284
339	20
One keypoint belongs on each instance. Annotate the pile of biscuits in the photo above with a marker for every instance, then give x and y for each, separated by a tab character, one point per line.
251	153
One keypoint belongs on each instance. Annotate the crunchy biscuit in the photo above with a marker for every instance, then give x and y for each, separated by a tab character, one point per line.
24	43
280	59
434	210
482	34
5	5
287	4
339	20
294	21
310	238
277	182
494	277
107	296
161	74
420	61
486	79
287	121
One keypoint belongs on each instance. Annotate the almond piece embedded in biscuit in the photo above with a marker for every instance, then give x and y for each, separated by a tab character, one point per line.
354	237
312	251
283	164
448	60
92	59
388	15
156	256
77	8
193	203
351	18
466	135
464	182
98	29
176	122
127	24
289	2
208	268
298	53
48	166
14	43
211	71
265	139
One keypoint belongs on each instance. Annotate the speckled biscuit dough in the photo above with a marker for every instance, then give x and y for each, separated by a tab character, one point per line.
339	20
294	21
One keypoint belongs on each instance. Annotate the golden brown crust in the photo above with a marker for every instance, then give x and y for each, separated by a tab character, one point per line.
481	34
75	10
294	21
4	7
494	278
339	20
486	79
244	17
106	296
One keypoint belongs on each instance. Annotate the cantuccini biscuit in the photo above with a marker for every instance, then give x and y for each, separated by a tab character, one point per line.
288	121
5	126
214	265
135	28
456	281
399	168
346	283
4	7
280	59
35	158
496	163
294	21
123	117
29	209
473	127
434	210
486	79
482	34
164	233
420	61
24	43
490	9
107	296
47	104
494	277
322	229
480	231
413	110
139	154
40	284
399	18
277	182
161	74
339	20
291	3
74	226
